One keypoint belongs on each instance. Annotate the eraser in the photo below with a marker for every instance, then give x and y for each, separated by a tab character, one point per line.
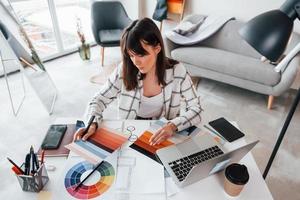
50	167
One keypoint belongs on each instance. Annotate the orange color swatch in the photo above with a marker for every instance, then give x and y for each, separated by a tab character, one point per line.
143	146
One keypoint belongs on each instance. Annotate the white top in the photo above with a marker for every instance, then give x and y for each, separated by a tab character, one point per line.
151	107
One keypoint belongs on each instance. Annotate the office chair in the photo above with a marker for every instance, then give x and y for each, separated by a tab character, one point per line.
109	19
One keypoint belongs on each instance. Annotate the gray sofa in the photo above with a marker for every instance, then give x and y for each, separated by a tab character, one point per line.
227	58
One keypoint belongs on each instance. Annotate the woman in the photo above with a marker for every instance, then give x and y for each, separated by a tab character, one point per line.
149	85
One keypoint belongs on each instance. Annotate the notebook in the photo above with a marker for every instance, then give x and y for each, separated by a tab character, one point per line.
62	151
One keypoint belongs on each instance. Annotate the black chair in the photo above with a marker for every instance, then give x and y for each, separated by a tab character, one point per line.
109	19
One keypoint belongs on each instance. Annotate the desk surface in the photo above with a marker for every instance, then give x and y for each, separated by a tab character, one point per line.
208	188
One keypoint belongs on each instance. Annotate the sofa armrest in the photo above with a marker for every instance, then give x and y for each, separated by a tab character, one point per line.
287	60
169	45
294	63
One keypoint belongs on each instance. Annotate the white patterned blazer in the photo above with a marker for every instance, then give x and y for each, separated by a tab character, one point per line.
178	86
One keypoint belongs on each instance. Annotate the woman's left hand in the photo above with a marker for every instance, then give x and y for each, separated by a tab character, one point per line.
163	134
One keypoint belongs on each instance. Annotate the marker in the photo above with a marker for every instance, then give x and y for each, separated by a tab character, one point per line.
16	168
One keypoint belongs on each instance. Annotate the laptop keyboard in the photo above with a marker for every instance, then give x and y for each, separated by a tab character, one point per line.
183	166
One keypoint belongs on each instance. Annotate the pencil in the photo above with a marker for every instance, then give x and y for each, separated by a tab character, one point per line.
80	184
14	164
42	157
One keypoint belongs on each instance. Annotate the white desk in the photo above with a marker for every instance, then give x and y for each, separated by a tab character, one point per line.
210	188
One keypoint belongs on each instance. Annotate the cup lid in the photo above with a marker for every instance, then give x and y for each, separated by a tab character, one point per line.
237	174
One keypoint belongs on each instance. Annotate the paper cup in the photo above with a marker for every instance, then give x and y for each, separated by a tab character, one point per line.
236	176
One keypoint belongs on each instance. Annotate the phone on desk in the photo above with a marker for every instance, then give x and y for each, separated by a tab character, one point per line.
79	124
54	136
226	129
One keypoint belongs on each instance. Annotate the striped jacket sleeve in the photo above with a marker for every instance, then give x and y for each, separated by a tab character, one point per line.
106	95
191	116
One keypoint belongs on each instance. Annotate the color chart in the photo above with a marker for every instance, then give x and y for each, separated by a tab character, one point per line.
73	178
143	146
100	145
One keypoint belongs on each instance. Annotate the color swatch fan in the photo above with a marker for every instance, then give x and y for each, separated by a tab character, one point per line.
100	145
143	146
100	185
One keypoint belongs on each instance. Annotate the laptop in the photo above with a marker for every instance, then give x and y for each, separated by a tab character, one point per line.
198	157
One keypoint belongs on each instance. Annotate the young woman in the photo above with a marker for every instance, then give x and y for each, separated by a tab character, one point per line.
149	85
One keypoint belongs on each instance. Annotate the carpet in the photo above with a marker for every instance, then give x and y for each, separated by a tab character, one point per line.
102	77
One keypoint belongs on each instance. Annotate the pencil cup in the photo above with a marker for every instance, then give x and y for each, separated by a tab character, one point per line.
36	182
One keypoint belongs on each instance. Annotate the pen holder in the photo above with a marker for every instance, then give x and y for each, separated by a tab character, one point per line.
36	182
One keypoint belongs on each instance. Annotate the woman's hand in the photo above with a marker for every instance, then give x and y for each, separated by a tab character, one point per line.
163	134
82	134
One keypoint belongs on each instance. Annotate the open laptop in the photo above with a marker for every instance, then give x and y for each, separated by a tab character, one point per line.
197	158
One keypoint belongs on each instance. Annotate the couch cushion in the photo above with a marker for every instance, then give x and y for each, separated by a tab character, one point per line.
229	63
229	39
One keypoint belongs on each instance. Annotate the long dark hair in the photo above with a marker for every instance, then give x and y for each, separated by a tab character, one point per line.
142	30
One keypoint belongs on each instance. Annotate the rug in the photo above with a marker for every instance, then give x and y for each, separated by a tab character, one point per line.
102	77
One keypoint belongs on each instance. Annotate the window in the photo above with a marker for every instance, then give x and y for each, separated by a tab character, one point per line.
51	24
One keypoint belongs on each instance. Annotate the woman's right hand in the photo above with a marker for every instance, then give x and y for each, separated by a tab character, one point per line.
80	134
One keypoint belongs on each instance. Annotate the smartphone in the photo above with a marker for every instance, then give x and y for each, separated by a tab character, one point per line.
226	129
79	124
54	136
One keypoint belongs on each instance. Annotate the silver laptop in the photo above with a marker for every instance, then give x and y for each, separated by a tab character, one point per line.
197	158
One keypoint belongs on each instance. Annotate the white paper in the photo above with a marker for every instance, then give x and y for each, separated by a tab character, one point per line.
123	178
147	176
171	187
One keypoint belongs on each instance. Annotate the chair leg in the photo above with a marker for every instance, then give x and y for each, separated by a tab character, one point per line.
160	26
102	56
270	102
196	81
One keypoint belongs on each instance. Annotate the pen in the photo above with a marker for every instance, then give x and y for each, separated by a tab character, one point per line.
27	164
16	166
32	160
80	184
89	124
214	132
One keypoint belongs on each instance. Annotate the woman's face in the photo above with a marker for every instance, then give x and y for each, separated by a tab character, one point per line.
145	63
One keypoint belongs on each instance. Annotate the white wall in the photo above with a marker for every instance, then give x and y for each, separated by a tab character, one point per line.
132	8
241	9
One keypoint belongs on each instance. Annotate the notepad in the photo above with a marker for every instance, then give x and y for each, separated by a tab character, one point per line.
62	151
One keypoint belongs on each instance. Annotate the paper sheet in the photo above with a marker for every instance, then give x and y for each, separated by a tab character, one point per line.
171	187
155	174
